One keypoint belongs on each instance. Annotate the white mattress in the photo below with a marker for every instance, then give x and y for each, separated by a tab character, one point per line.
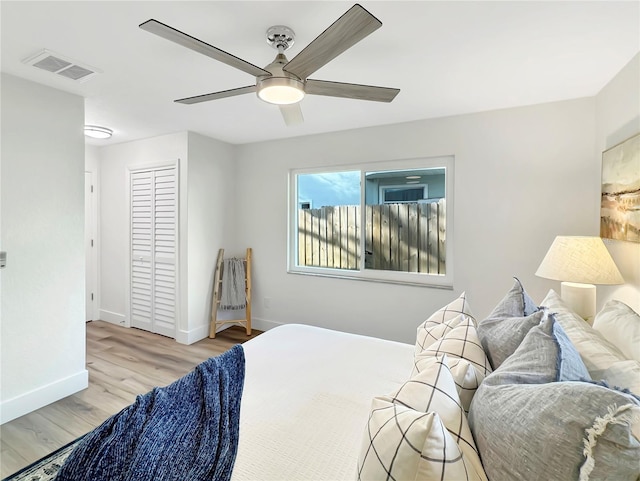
306	401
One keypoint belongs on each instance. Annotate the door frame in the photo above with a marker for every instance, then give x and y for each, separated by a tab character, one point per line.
141	168
92	267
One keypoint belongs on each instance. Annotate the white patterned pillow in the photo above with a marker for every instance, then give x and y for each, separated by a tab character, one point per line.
420	432
441	322
401	443
434	390
467	379
466	358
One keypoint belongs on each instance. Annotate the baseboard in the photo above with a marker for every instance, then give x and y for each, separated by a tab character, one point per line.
113	317
264	324
30	401
194	335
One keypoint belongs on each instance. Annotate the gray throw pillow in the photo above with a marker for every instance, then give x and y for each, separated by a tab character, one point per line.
532	432
516	303
544	355
501	336
528	427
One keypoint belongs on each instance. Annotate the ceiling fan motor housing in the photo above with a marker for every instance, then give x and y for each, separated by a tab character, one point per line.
280	87
280	37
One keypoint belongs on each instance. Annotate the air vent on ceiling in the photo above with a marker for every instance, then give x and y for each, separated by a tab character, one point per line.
61	65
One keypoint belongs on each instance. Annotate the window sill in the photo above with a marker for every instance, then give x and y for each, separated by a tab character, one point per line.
357	276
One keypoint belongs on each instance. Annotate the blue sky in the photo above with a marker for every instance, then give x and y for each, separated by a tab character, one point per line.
335	188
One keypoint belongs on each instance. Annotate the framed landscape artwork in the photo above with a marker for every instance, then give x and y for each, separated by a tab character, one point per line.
620	201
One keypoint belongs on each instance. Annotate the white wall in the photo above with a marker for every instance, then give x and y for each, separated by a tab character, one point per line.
617	119
91	158
522	176
42	298
211	225
206	222
115	160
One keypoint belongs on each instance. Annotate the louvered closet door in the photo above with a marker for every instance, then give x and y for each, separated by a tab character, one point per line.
153	251
164	244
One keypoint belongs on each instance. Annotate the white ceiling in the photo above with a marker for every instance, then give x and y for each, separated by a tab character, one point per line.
447	58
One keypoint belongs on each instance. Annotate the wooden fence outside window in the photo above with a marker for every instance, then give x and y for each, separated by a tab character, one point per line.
407	237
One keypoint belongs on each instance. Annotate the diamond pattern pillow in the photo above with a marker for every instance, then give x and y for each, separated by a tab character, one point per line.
466	358
461	342
401	444
441	322
420	432
467	379
434	390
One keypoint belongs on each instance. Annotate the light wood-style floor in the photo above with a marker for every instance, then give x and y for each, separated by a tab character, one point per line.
122	363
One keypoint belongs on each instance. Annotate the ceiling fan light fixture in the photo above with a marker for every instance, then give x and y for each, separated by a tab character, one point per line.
280	90
97	132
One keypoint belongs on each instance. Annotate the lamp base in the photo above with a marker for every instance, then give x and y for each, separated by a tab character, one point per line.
580	298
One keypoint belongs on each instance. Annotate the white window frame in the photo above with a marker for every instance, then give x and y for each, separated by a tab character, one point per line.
444	281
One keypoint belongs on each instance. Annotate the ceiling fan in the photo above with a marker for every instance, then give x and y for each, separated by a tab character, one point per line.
285	82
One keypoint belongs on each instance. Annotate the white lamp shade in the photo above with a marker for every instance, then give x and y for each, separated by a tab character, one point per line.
579	259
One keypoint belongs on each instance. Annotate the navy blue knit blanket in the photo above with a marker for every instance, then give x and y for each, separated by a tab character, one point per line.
185	431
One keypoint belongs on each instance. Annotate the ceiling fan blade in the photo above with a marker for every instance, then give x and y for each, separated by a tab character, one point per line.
343	34
292	114
181	38
350	91
217	95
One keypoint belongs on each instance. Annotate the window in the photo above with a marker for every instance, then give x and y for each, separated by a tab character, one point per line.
380	221
398	193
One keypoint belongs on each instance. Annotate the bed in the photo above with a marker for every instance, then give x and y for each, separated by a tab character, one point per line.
530	392
292	429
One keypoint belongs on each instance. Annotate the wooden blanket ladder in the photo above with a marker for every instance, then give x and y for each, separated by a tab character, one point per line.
217	291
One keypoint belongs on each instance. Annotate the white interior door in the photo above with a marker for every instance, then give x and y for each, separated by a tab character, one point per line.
164	252
153	251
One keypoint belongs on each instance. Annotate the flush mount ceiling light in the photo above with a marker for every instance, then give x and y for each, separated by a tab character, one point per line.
96	132
412	177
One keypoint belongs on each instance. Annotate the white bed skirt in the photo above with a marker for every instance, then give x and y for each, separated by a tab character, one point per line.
306	401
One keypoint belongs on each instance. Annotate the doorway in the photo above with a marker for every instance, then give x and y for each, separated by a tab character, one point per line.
91	249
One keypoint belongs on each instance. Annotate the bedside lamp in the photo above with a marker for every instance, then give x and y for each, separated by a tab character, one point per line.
579	262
